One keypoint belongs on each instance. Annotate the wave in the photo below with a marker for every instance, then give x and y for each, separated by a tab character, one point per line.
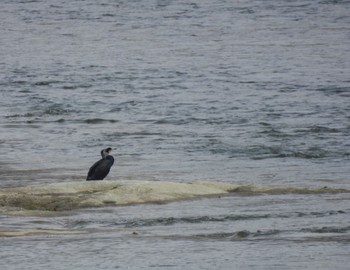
166	221
316	234
44	110
304	234
75	195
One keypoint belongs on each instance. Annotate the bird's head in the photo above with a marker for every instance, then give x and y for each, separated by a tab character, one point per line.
106	152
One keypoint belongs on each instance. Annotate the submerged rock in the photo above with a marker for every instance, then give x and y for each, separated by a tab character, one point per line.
75	195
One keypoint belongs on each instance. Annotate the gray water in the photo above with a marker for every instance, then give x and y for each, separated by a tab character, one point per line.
249	92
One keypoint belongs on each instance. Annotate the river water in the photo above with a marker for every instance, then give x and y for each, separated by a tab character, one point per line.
246	92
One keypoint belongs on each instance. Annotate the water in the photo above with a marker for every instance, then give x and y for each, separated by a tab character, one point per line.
245	92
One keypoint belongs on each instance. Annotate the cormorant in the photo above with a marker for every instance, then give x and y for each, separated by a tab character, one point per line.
101	168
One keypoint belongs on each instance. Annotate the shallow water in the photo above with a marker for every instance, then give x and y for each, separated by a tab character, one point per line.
250	92
260	232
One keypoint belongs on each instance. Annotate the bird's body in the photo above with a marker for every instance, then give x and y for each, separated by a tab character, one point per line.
101	168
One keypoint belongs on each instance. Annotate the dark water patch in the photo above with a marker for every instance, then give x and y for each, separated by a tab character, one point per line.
223	236
138	134
20	115
55	109
25	91
335	90
314	152
172	121
231	149
78	86
334	2
233	236
259	235
255	190
328	230
184	118
78	224
319	214
127	105
265	124
217	219
297	235
116	109
214	146
259	152
245	10
17	82
318	130
175	121
99	121
27	124
274	133
108	15
45	83
43	110
192	220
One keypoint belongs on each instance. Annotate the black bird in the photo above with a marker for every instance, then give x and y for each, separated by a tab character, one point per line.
101	168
